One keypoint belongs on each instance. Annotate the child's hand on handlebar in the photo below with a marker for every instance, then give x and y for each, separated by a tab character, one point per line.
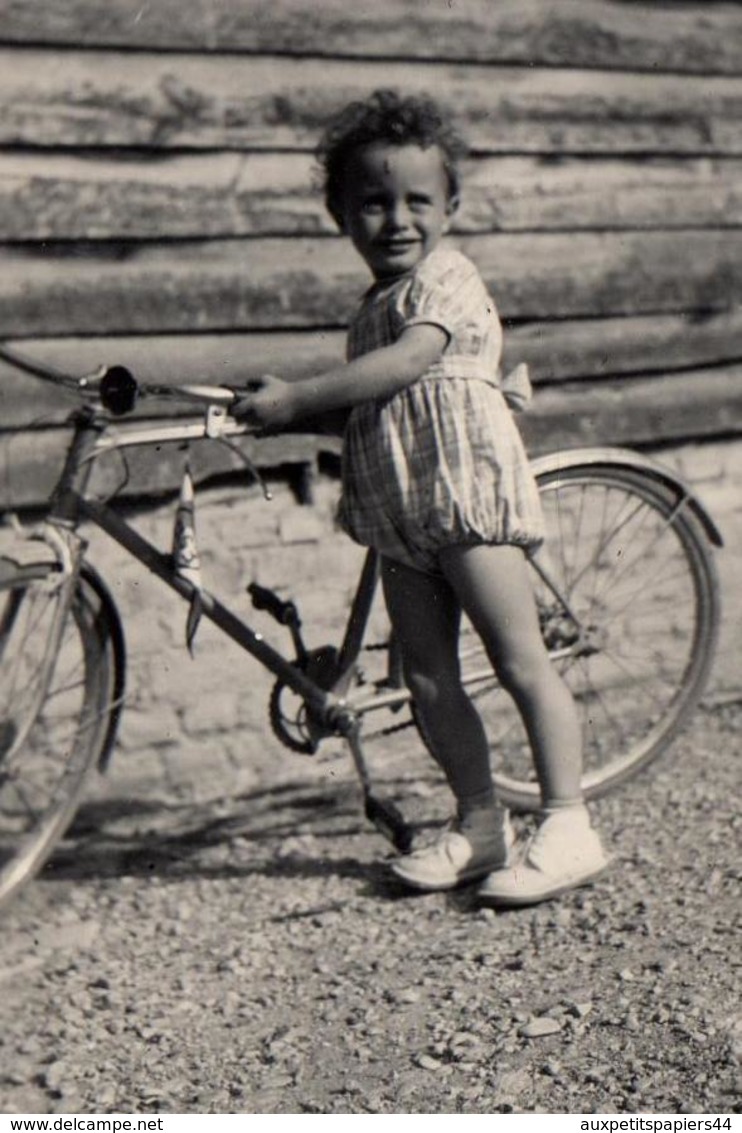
267	402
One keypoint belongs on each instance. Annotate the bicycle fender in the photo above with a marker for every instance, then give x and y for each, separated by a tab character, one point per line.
637	462
114	627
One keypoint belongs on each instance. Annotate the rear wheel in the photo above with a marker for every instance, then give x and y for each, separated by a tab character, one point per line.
58	709
633	566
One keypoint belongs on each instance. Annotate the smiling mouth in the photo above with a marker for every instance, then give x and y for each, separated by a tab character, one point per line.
398	245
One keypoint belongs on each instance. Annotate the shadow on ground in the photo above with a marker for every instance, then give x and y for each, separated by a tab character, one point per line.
259	832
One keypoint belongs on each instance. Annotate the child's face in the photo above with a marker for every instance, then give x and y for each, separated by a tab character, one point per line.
396	205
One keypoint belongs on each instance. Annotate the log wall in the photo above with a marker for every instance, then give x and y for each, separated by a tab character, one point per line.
158	204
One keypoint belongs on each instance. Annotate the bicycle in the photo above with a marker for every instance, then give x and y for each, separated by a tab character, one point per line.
626	587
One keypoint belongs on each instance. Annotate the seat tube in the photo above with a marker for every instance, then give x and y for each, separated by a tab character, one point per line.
360	611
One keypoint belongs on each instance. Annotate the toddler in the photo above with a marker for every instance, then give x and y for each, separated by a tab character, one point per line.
435	477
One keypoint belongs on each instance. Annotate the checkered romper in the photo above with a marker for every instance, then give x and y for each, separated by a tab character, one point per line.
440	462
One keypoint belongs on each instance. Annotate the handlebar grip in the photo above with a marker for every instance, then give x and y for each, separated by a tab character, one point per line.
118	390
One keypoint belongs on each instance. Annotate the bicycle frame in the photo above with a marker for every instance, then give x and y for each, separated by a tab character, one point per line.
94	436
334	710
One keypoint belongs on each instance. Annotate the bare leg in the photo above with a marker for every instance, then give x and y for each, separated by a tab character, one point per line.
491	583
425	616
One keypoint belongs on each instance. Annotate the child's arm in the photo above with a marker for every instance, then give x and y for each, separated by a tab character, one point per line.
276	404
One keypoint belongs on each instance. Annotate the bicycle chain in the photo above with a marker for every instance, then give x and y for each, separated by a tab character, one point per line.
391	729
280	724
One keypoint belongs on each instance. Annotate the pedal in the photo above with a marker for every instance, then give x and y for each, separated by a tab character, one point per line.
389	821
263	598
285	613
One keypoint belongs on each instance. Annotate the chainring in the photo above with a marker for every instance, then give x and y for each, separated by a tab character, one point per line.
292	721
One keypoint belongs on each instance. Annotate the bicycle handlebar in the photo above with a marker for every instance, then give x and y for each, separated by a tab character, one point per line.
115	386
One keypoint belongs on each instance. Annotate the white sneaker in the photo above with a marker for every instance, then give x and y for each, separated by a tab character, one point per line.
565	852
454	859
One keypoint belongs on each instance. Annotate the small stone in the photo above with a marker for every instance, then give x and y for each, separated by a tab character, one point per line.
427	1062
106	1097
594	1077
512	1083
55	1075
540	1027
580	1009
281	1081
14	1078
562	918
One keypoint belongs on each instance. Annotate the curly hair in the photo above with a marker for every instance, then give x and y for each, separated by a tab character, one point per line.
386	116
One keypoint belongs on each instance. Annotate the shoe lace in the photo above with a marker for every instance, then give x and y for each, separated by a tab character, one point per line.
444	845
534	850
443	850
546	842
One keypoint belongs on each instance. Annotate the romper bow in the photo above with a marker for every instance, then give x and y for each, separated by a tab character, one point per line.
516	388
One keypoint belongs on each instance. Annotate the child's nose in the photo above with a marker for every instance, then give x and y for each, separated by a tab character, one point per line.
398	215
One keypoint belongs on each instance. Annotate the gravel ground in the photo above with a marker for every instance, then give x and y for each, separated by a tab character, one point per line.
251	955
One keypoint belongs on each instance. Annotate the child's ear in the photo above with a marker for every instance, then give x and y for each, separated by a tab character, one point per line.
451	205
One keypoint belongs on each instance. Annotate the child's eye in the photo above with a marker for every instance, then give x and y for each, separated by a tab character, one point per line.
372	206
419	203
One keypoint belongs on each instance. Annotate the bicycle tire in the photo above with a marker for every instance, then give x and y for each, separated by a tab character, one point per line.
638	567
57	716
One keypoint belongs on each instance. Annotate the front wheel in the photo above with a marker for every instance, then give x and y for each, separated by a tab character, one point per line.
632	563
60	673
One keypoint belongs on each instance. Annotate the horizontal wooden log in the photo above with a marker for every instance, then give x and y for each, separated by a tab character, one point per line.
91	99
594	348
31	461
700	37
271	283
631	411
59	197
555	352
697	404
